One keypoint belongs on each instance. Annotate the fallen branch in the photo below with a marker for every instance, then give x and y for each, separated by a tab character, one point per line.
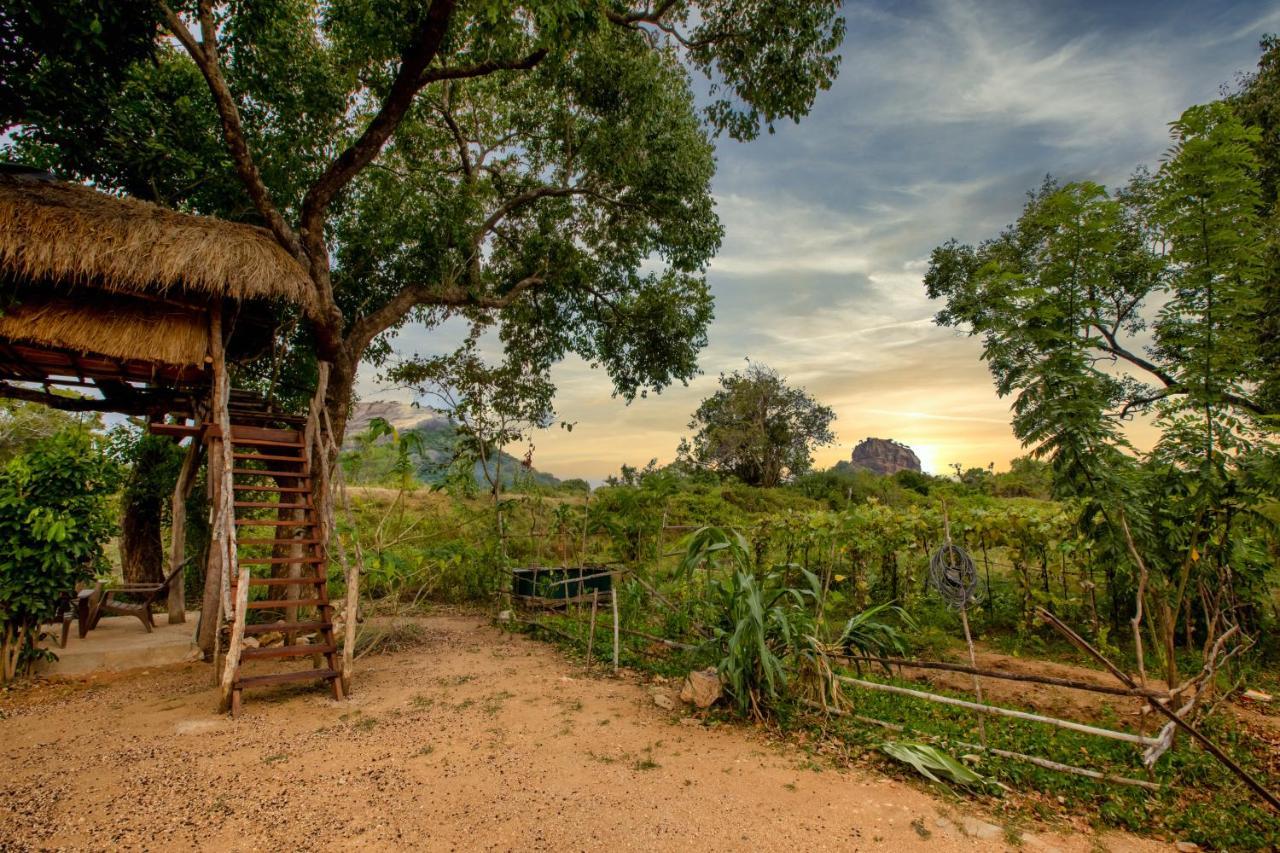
1008	676
996	710
1213	749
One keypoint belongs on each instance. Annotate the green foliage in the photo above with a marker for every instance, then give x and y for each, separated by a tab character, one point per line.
931	762
866	634
760	624
54	518
24	425
758	428
550	172
1067	293
708	543
491	407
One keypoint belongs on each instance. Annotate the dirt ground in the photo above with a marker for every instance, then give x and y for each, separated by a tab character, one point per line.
476	741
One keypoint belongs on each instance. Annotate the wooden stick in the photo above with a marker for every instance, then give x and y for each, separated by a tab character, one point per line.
1082	643
998	711
1009	676
591	637
613	600
687	647
973	662
1064	768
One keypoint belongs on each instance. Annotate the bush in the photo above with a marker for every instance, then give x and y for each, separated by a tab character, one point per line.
54	518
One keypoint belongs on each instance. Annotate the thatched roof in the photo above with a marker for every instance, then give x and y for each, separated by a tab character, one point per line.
121	328
54	233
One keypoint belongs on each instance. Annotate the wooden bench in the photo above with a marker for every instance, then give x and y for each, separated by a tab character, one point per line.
112	600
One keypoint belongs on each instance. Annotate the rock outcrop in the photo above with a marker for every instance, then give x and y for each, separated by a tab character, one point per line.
885	456
400	415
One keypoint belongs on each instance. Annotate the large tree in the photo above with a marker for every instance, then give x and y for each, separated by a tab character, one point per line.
539	165
758	428
1094	306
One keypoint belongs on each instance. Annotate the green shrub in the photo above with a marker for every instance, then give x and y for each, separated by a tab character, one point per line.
54	518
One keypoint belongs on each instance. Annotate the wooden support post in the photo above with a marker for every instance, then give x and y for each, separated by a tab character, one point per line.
178	530
352	615
613	599
591	634
224	528
230	695
211	612
973	662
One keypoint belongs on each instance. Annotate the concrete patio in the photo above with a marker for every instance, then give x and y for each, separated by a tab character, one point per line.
120	643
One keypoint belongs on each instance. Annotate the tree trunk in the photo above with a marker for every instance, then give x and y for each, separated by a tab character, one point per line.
141	542
213	567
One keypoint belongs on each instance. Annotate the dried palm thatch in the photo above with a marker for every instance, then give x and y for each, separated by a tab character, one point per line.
58	234
121	328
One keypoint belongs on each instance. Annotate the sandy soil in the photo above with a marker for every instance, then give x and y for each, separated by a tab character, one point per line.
475	741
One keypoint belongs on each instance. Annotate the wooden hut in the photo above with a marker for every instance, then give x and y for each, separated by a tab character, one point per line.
138	309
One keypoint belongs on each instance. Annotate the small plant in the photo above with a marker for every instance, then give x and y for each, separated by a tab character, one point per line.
761	625
931	762
54	519
867	635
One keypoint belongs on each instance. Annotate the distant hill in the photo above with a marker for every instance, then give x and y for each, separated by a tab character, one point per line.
438	436
884	456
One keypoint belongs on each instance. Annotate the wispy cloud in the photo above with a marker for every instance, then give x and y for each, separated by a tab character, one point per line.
946	112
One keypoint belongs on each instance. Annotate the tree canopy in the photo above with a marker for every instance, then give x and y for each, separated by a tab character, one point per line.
543	166
758	428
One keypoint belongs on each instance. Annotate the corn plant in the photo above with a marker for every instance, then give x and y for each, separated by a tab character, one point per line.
762	624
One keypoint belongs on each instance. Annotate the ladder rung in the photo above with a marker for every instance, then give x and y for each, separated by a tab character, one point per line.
277	542
286	627
286	581
298	651
263	472
268	458
277	561
247	434
269	505
263	442
268	603
250	487
258	522
285	677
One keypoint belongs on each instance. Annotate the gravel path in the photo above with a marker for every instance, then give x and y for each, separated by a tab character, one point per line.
475	741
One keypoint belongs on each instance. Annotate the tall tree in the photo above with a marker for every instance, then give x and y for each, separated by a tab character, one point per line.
1092	307
758	428
1258	104
541	165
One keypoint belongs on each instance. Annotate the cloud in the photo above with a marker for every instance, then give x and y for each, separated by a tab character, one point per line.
944	115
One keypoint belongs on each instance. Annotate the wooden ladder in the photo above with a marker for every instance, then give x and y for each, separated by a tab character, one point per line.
279	539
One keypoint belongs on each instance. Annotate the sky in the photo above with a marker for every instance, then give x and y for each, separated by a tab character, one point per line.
944	115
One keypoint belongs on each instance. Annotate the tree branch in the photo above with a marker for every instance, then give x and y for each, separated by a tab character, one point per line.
516	202
1143	402
447	296
648	16
409	80
1114	347
205	55
464	154
483	69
